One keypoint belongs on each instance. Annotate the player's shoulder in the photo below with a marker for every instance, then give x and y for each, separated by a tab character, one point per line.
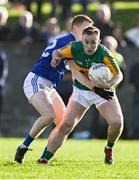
58	43
66	37
104	50
64	40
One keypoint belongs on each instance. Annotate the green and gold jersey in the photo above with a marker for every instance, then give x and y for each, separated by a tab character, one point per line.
83	61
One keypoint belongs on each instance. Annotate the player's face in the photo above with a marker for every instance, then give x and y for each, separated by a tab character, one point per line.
90	43
79	29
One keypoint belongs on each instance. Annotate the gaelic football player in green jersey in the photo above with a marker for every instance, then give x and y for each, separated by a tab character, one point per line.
84	53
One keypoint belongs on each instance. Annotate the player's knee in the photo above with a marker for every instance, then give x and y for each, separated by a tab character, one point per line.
48	119
118	123
66	128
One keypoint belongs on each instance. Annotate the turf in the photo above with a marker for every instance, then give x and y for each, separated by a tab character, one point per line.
76	160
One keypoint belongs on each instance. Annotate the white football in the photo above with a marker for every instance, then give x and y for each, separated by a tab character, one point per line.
100	71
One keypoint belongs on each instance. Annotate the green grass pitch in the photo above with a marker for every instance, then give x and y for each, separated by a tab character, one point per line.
77	159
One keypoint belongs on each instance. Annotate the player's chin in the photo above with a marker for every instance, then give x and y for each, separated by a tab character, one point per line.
89	52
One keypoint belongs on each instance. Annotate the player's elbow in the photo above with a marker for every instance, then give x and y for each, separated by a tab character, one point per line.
119	77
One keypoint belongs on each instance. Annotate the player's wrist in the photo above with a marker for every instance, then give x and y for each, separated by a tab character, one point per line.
109	84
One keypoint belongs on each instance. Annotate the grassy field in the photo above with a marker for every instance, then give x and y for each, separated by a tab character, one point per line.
75	160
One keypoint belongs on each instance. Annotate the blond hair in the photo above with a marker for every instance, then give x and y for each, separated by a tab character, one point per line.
79	19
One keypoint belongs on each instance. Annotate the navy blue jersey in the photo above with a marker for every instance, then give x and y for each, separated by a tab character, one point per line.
43	66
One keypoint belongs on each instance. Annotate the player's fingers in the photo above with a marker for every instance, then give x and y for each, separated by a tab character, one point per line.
101	80
53	63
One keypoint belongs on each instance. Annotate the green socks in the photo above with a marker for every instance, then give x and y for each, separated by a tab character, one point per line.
46	154
110	144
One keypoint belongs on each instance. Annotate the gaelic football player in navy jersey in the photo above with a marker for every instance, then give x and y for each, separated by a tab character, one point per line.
84	53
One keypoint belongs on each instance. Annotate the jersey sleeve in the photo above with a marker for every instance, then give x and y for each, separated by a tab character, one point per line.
66	51
111	63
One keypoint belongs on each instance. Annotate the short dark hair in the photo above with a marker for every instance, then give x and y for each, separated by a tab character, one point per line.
91	30
79	19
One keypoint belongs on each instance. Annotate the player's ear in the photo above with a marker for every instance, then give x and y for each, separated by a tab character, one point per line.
74	29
